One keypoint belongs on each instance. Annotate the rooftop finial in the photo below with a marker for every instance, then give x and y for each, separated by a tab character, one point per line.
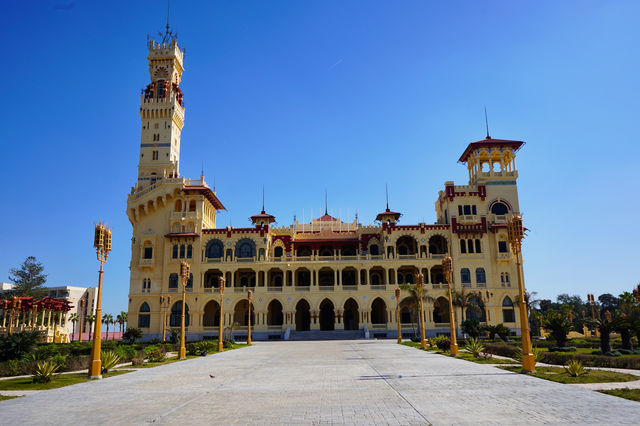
168	34
262	198
202	170
486	122
325	201
386	190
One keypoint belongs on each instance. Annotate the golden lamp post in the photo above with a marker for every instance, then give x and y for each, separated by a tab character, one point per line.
221	329
250	298
165	302
516	234
185	269
420	288
447	266
398	315
102	244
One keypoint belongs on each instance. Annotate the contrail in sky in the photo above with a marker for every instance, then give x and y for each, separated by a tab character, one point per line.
337	63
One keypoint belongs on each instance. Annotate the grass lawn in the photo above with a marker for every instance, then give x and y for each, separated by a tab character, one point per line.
172	359
558	374
461	354
632	394
5	397
26	383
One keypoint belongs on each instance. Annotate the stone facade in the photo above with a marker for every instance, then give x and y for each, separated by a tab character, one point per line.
322	275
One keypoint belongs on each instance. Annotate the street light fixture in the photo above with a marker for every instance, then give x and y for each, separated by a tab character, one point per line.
516	234
221	282
420	288
447	267
185	269
165	302
102	244
249	298
398	314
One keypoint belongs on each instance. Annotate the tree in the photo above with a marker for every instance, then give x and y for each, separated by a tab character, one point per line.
91	318
414	300
559	325
74	318
472	328
606	325
107	319
131	335
608	302
122	319
465	300
627	303
28	279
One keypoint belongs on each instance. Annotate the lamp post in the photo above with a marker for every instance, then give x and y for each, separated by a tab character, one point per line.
398	314
447	266
102	244
249	297
420	287
221	329
516	234
165	302
185	269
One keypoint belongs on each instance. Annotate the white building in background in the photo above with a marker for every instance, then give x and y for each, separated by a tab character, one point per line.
74	295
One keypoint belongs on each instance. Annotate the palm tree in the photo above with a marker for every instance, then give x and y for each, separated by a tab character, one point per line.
627	303
113	333
529	299
107	319
74	318
414	301
91	318
465	300
122	320
559	324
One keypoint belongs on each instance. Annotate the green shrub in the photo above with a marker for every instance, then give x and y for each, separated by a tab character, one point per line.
131	335
125	352
444	344
174	335
575	368
626	351
536	352
201	348
502	349
109	345
472	328
563	349
13	367
76	362
155	353
474	346
18	344
416	339
44	371
228	343
109	360
613	353
139	358
61	360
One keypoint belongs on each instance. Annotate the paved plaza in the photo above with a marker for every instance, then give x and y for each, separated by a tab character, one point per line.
354	382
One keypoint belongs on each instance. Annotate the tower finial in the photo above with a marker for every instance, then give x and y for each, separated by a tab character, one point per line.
325	201
486	122
202	171
168	34
168	10
263	198
386	190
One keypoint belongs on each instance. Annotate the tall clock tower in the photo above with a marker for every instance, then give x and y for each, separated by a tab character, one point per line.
162	114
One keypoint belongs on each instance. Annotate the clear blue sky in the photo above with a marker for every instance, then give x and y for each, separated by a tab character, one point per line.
301	96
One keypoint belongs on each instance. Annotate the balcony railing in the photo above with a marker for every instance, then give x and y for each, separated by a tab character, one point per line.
274	289
349	287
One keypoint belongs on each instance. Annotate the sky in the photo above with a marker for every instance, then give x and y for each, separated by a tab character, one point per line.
308	96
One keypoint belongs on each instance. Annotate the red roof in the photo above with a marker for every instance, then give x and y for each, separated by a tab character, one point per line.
263	215
388	212
182	234
490	143
326	218
207	192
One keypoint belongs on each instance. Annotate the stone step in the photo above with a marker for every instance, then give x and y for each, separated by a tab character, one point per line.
327	335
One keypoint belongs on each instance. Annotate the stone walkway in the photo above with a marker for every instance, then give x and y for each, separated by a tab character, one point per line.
355	382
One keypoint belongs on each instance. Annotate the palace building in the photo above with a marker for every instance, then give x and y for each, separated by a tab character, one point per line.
324	278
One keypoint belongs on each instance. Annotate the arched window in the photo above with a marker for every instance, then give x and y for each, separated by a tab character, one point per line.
478	246
463	246
277	252
192	205
173	281
508	313
214	249
189	251
178	206
465	276
182	251
175	319
481	278
375	279
499	209
144	318
470	245
175	251
190	281
245	248
374	250
505	280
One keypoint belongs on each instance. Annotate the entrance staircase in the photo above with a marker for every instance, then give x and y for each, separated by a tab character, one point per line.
327	335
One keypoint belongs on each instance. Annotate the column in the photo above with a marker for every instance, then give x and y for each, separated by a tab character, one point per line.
336	276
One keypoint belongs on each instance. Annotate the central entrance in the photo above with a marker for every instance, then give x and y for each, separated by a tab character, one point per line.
327	315
351	315
303	316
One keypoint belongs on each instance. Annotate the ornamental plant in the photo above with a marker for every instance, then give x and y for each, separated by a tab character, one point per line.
575	368
44	371
109	360
474	346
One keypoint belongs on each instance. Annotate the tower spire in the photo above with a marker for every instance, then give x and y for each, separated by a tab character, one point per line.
486	122
262	198
386	190
325	201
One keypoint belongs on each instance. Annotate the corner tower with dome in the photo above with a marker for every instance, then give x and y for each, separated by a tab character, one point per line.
322	279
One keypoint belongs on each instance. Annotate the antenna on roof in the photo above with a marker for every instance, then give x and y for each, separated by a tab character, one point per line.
168	34
214	183
325	201
486	122
386	190
263	197
202	170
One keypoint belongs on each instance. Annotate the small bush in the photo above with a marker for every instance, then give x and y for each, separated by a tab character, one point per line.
536	352
109	360
486	354
18	344
626	351
563	349
202	348
44	371
415	339
471	327
155	353
126	353
138	359
75	363
444	344
131	335
174	335
502	349
474	346
228	343
613	353
575	368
